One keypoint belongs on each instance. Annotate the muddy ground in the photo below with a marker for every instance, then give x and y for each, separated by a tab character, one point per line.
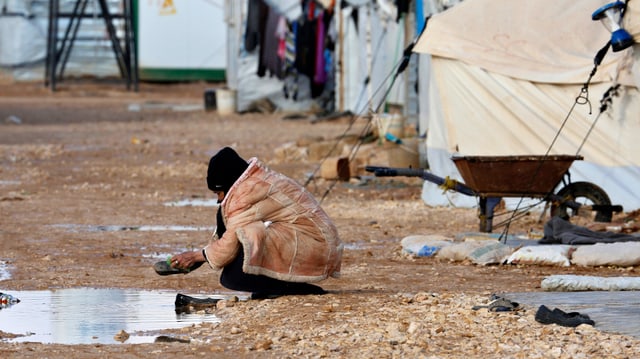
84	156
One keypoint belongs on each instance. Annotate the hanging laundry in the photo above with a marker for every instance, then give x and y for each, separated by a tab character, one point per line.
256	19
305	48
420	20
403	8
281	35
290	87
320	75
269	60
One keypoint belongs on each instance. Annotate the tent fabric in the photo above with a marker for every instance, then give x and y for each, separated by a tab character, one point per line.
556	45
368	56
22	40
500	83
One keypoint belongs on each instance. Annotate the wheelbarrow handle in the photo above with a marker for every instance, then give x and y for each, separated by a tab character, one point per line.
424	174
392	171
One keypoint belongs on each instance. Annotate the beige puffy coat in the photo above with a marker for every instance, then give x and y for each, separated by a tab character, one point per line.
283	230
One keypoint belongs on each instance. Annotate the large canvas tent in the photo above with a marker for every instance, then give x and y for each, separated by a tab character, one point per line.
503	77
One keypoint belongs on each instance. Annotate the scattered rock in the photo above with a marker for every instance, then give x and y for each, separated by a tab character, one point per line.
121	336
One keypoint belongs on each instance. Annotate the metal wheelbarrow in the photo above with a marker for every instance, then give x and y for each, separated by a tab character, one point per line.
490	178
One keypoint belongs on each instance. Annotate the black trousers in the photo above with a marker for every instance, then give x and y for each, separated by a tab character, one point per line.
260	286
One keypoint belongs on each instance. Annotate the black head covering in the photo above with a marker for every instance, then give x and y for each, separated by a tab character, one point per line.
225	167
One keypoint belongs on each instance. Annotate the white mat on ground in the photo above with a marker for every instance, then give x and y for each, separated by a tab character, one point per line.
576	283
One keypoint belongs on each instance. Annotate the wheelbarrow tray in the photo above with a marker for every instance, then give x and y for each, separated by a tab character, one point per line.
513	176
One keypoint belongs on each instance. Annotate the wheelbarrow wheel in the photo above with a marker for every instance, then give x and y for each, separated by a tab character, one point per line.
584	193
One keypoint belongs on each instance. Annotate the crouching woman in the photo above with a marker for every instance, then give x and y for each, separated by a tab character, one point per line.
272	236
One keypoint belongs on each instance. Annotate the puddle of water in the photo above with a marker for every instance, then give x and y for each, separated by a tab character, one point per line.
362	245
193	202
142	228
8	182
136	107
4	271
87	315
358	246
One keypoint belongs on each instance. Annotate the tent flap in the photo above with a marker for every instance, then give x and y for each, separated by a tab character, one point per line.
509	87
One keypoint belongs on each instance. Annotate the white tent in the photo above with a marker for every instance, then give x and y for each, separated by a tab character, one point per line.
23	37
505	74
368	52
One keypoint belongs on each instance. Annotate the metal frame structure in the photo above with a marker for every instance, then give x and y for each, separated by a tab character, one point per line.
59	48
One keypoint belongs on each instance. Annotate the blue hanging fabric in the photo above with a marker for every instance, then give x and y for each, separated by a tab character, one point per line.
419	16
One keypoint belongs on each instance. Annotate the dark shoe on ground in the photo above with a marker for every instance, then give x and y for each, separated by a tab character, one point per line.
546	316
186	304
499	304
164	268
168	339
574	319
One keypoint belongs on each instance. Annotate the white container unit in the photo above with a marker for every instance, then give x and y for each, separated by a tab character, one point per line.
181	40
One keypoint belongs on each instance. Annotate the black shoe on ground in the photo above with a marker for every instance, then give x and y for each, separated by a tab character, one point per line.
546	316
186	304
164	268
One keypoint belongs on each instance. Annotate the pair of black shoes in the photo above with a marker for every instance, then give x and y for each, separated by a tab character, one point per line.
545	315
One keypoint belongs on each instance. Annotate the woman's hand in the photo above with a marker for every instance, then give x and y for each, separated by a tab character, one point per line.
187	260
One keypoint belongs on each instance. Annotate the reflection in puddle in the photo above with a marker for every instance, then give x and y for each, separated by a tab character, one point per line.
87	315
176	107
8	182
354	246
142	228
7	300
4	271
365	245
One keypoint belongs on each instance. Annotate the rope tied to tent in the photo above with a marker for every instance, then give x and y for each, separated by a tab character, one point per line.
605	102
583	97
